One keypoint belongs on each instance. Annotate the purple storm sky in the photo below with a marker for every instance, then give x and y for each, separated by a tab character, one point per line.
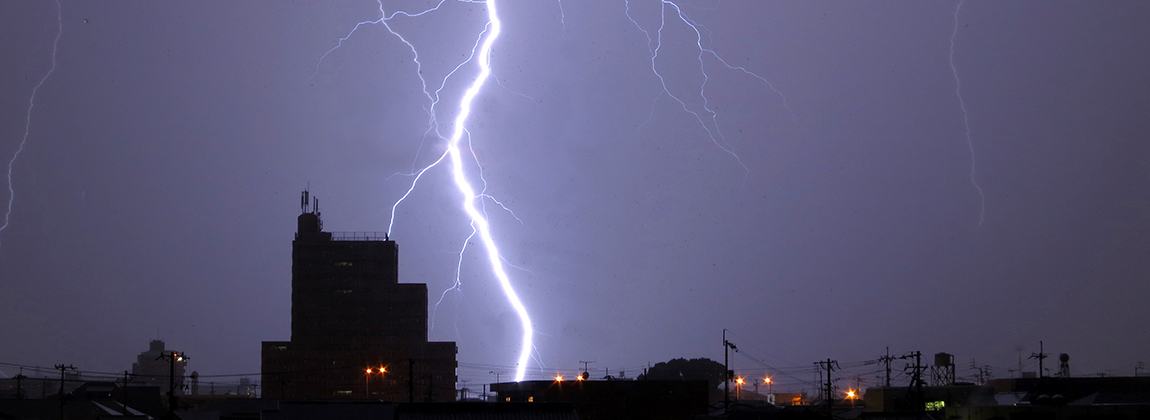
157	192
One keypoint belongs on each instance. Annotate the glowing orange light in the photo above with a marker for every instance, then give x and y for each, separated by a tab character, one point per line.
558	378
369	371
767	380
382	369
739	381
578	377
850	394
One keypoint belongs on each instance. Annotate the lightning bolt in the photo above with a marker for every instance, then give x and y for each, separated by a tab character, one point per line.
470	196
28	116
474	200
965	115
713	130
454	156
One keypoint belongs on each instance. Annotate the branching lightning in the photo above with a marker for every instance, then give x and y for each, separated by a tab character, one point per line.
481	54
713	130
479	220
965	115
475	199
28	116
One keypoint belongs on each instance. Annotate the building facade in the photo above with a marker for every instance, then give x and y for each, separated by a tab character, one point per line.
356	331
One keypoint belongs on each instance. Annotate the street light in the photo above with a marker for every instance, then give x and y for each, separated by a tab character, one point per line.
558	378
739	382
767	381
366	381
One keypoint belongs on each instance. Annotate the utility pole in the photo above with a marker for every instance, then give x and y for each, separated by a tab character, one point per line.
829	388
1019	349
20	383
125	392
886	360
1040	356
728	374
172	358
496	375
62	369
983	371
915	387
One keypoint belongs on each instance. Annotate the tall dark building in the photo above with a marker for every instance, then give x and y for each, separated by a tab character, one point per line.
351	317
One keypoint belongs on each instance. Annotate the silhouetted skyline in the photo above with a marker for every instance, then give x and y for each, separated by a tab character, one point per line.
156	194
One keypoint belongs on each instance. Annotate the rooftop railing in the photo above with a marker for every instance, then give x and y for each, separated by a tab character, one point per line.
359	236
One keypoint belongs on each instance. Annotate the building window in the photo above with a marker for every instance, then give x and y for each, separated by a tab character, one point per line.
343	392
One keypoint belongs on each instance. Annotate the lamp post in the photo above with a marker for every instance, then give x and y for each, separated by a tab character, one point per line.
366	381
727	371
739	382
172	358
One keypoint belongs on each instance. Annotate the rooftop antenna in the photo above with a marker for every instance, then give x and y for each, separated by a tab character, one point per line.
585	375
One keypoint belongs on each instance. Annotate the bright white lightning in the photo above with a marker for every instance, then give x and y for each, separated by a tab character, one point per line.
965	115
707	118
454	153
478	220
28	117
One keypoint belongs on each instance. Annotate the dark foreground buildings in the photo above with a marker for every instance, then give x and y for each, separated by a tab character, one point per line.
351	318
614	399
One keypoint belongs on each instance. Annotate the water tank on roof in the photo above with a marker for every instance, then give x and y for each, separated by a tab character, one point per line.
943	359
